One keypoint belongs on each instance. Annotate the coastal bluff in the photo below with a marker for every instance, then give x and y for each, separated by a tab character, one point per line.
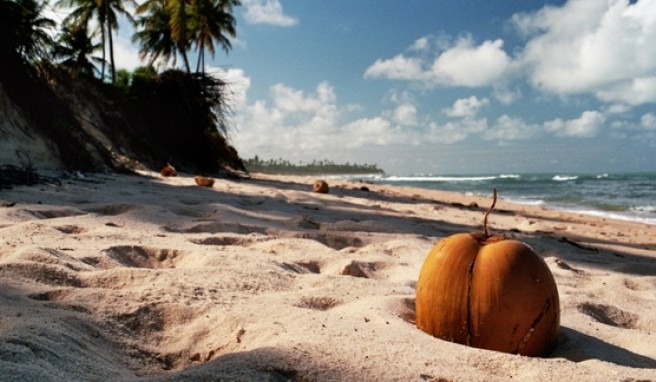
65	123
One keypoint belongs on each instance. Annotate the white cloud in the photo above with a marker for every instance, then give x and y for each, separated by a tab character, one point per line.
420	44
586	126
455	131
290	100
634	92
471	66
511	128
405	110
268	12
376	131
308	126
238	82
405	114
466	107
397	68
463	64
126	54
604	48
648	121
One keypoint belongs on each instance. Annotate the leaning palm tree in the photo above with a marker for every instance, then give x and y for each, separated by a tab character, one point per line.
212	20
106	14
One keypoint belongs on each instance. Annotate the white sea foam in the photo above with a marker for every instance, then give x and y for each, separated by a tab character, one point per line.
439	178
611	215
564	178
529	202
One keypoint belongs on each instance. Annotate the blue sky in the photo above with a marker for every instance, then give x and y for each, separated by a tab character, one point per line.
444	87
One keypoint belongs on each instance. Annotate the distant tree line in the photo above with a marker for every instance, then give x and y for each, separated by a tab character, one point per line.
283	166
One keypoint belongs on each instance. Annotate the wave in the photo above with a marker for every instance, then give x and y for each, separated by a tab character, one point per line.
439	178
613	215
564	178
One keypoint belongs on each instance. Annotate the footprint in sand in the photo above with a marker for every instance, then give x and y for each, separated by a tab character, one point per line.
302	267
134	256
335	241
110	209
55	213
362	269
609	315
317	302
70	229
225	240
216	227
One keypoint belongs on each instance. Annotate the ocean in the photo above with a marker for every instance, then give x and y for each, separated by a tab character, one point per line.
630	196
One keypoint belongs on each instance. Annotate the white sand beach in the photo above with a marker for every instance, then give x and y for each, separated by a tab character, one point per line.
145	278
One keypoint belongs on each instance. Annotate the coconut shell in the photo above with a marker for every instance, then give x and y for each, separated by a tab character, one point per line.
320	186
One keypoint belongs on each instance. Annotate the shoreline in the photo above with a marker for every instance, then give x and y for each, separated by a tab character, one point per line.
600	206
148	278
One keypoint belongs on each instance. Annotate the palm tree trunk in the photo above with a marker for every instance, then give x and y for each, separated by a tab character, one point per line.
111	51
186	61
102	70
200	64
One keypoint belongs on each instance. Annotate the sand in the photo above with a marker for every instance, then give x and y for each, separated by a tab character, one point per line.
144	278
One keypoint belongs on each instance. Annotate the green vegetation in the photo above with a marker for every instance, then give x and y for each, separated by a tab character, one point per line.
165	29
151	117
282	166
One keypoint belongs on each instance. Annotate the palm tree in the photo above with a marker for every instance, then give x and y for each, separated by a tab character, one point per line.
165	31
213	19
154	32
10	15
25	30
171	27
106	13
179	27
76	48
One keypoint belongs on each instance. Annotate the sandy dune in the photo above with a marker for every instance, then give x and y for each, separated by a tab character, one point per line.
112	277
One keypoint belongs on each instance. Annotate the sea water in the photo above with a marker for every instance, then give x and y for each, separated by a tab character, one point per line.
630	196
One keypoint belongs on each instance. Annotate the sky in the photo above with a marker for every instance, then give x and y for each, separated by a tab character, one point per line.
443	87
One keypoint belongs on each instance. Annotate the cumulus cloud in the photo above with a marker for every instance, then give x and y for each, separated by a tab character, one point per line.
421	43
471	66
509	128
405	108
466	107
397	68
309	126
586	126
238	82
455	131
291	100
126	55
376	131
405	114
604	48
648	121
268	12
463	64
